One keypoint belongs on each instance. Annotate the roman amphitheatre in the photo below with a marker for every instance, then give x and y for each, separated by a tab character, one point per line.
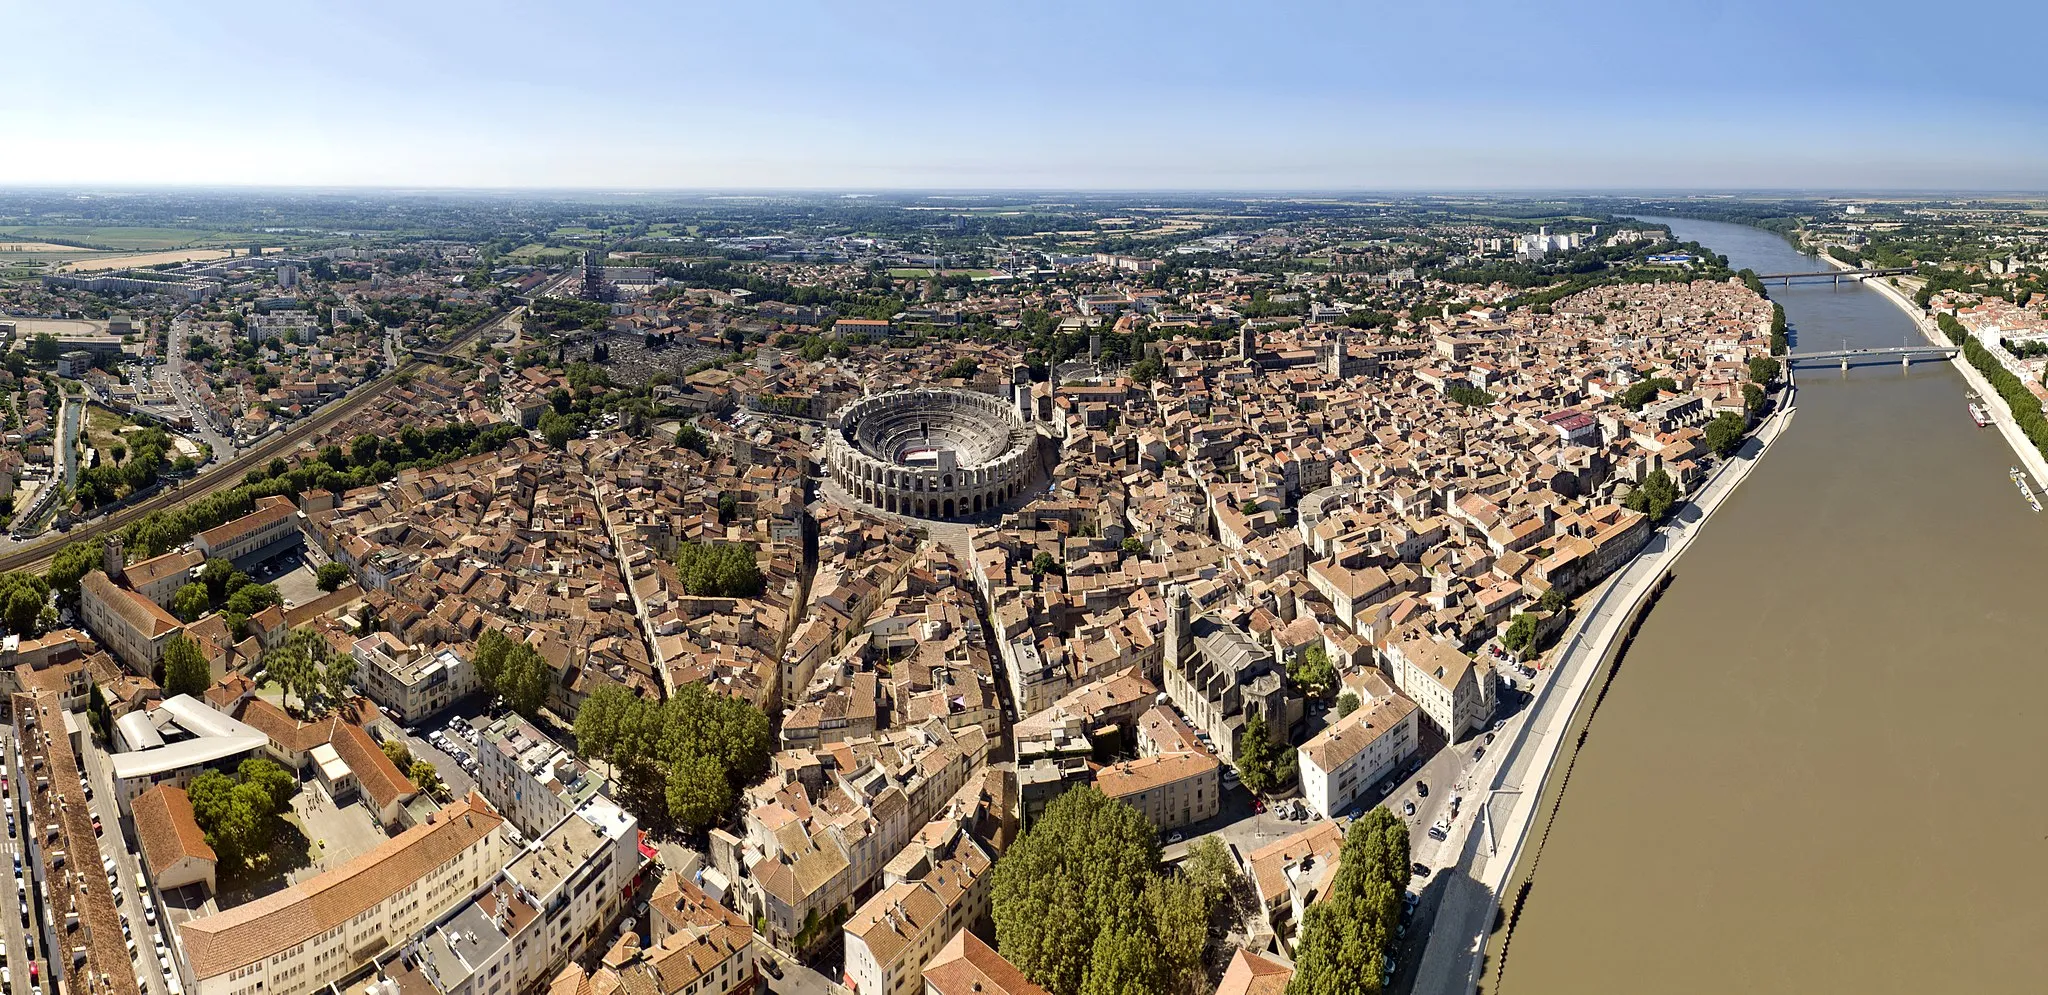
931	452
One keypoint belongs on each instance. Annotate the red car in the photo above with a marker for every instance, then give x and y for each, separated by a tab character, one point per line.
1258	806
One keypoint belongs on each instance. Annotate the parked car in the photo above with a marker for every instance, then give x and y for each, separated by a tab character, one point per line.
1420	869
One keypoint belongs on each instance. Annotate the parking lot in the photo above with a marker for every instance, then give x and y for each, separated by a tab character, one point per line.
293	573
449	742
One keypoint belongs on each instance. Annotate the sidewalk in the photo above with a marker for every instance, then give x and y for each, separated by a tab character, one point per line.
1475	888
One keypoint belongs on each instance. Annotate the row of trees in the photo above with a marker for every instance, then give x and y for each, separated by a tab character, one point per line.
2025	408
681	762
1081	908
1345	937
336	470
309	668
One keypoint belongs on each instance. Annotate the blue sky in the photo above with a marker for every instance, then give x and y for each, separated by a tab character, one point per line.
1100	95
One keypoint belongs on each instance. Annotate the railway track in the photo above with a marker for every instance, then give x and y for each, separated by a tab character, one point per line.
36	556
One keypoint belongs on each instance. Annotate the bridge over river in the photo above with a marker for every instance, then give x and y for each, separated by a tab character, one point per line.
1834	274
1905	353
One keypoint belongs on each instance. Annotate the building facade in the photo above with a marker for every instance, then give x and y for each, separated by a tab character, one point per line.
1341	763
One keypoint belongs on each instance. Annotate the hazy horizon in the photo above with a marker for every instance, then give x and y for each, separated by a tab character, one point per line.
1472	97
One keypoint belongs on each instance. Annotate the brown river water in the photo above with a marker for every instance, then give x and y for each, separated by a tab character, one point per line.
1819	766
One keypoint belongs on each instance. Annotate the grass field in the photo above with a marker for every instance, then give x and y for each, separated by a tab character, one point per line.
537	253
132	239
103	431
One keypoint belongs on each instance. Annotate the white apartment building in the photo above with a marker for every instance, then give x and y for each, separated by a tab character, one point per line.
525	775
409	684
319	931
558	897
1340	763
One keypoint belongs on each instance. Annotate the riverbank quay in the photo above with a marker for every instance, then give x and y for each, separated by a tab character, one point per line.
2001	416
1476	895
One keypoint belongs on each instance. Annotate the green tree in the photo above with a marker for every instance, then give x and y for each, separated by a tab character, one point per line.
1133	546
719	570
1346	704
1146	370
252	598
682	761
1255	757
1344	939
1655	497
331	575
277	784
1043	563
1521	633
215	576
1752	398
212	795
558	429
425	777
1764	370
1312	671
1469	396
185	668
399	754
1077	874
1645	391
23	596
338	676
190	602
1724	433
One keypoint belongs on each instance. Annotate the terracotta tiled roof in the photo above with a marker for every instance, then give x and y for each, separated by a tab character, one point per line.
169	832
966	965
248	933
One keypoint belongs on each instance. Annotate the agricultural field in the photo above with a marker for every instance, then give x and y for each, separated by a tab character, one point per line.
119	238
122	260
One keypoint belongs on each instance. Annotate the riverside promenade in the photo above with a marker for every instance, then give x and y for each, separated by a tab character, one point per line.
2001	416
1513	817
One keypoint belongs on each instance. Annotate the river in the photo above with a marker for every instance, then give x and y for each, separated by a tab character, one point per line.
1818	767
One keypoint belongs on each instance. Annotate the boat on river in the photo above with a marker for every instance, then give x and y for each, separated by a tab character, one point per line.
2019	480
1979	415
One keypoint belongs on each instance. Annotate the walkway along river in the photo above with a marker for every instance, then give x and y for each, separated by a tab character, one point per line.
1816	769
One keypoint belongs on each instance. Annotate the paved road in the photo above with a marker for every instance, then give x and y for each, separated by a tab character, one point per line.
1461	902
796	979
11	932
117	842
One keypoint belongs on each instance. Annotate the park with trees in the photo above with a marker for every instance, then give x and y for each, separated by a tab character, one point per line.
1082	906
680	763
